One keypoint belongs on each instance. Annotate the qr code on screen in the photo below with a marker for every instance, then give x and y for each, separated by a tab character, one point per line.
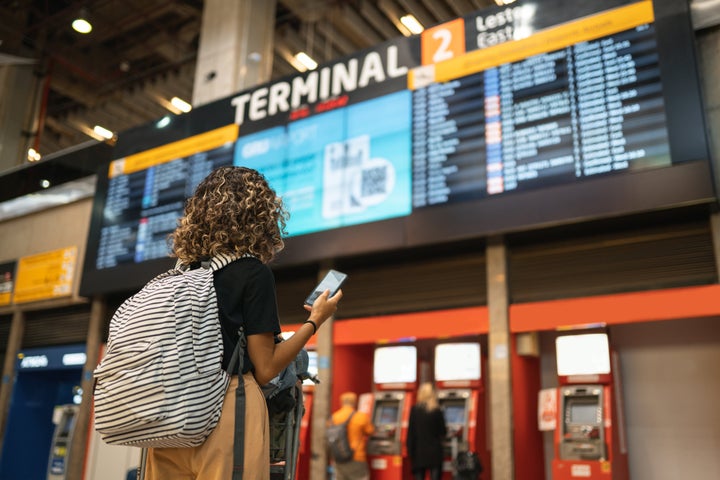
374	181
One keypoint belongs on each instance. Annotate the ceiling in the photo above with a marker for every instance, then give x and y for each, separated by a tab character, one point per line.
141	53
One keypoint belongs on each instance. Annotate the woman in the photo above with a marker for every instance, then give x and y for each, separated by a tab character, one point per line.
234	211
426	432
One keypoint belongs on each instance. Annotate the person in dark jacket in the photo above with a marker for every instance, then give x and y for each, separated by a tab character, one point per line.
426	432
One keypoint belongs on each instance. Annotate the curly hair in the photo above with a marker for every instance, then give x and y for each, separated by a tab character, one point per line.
233	211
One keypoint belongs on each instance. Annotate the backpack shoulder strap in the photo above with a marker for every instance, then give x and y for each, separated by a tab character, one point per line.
239	438
350	417
221	260
215	263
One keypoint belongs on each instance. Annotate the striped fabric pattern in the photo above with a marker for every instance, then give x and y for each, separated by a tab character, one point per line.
161	383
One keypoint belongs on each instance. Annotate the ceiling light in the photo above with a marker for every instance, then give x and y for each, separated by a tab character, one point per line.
504	2
163	122
81	23
181	104
33	155
412	23
44	183
296	64
306	61
103	132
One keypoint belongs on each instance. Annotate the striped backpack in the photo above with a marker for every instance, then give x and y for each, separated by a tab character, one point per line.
161	382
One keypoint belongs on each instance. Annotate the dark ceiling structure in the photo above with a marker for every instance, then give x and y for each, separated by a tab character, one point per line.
141	53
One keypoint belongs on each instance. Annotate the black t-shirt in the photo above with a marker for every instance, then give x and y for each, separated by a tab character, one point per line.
246	296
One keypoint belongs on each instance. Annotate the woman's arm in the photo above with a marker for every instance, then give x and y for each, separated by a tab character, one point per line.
269	358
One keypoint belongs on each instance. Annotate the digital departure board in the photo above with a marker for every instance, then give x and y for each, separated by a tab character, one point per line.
146	195
588	109
507	119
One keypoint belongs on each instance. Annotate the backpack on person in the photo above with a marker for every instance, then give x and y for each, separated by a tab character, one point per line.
467	465
338	441
161	382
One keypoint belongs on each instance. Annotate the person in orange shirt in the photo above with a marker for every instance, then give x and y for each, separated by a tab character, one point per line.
359	429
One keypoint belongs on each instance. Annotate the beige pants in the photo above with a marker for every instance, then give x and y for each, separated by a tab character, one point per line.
213	460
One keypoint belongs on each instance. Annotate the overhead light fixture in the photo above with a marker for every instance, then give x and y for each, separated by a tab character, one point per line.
504	2
163	122
306	61
81	23
412	24
33	155
103	132
181	104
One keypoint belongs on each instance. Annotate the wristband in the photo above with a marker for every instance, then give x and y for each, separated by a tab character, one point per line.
314	325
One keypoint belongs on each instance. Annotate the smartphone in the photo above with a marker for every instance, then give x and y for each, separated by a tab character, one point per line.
332	281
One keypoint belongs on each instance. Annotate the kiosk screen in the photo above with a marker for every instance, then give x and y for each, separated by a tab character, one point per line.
455	414
583	413
386	415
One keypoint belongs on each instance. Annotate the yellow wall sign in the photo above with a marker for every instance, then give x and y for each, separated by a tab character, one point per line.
45	275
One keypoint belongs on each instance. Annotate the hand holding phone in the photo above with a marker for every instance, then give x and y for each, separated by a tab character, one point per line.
332	281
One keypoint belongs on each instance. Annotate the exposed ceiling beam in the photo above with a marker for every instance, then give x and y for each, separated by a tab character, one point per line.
461	7
419	11
73	89
393	13
59	127
378	20
139	18
343	46
439	11
145	110
124	116
307	10
347	20
281	67
285	51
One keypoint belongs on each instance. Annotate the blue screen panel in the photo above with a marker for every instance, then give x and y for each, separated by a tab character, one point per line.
344	167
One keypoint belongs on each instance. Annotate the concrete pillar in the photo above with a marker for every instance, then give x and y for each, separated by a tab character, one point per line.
236	48
14	343
18	85
715	232
322	397
499	368
708	45
76	462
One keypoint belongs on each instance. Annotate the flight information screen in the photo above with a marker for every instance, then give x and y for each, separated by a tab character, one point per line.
509	118
146	195
588	109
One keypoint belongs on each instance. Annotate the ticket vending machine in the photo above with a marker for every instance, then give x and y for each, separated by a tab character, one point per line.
590	440
45	378
65	417
394	387
458	368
